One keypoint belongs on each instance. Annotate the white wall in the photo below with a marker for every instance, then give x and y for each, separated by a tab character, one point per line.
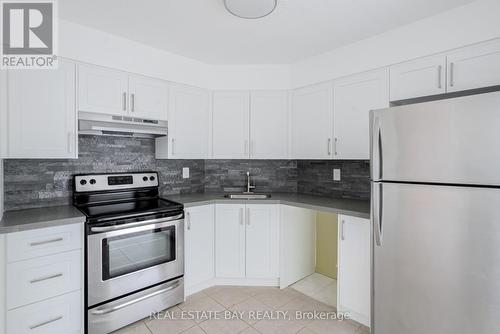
469	24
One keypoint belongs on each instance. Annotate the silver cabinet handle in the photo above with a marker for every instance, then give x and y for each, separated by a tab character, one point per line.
452	69
132	102
329	146
440	70
241	216
124	101
102	311
188	218
41	279
46	322
248	216
335	146
39	243
70	142
342	223
173	145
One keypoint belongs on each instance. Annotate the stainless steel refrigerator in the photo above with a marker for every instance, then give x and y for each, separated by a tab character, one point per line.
436	217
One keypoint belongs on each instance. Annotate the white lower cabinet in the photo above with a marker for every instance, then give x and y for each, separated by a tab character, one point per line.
41	281
59	315
247	238
199	248
354	268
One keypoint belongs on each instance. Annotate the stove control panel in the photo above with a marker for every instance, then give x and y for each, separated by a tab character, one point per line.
101	182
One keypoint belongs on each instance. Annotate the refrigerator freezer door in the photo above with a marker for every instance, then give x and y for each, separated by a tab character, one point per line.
437	266
454	141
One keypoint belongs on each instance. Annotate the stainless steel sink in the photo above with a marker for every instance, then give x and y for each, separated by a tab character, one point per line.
247	196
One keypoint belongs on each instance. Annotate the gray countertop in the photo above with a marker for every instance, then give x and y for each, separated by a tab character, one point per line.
30	219
356	208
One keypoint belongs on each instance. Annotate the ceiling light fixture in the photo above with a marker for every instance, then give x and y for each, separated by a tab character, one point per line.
250	9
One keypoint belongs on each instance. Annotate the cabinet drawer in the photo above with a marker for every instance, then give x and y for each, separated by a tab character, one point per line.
35	243
41	278
60	315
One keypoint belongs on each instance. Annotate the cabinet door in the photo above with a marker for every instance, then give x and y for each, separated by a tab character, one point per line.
262	241
230	125
102	90
199	246
269	125
230	240
148	98
417	78
297	244
354	97
42	114
189	122
354	268
312	122
474	67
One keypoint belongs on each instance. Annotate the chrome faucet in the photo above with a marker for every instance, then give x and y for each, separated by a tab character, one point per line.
249	187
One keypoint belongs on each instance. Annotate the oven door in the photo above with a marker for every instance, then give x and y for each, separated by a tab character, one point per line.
126	258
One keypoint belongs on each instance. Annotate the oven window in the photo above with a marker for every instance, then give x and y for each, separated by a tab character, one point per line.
126	254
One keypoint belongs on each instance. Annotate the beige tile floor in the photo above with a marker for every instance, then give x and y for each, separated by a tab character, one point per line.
319	287
242	301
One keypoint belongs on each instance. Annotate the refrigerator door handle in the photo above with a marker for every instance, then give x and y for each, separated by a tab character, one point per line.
376	150
377	193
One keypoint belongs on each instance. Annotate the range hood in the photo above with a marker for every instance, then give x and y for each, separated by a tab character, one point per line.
122	126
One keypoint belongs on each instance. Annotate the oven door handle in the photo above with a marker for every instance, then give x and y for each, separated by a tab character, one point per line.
100	229
103	311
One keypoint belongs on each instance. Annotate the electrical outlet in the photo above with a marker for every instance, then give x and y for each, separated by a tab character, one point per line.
336	174
185	173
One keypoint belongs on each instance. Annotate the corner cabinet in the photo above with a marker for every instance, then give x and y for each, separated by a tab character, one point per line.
107	91
230	138
188	125
247	242
353	98
42	113
312	122
199	252
269	125
354	273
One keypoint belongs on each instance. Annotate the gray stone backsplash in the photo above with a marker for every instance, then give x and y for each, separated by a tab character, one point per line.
31	183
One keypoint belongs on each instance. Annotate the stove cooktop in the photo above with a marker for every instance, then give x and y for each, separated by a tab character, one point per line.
130	208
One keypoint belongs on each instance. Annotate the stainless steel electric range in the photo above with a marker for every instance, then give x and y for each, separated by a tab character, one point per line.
134	248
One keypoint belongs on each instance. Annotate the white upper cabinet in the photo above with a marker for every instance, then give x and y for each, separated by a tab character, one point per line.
188	126
107	91
102	90
312	122
354	268
473	67
42	113
262	241
354	97
269	125
420	77
231	125
199	247
148	97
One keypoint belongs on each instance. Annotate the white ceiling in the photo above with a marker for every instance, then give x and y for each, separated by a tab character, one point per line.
204	30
